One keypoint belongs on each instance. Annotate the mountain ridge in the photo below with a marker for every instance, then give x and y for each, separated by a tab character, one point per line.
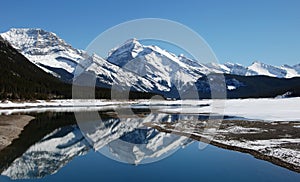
142	68
65	62
38	36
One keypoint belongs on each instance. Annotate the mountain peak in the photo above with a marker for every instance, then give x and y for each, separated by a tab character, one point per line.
128	45
45	49
132	41
162	68
233	64
257	63
30	32
35	41
126	51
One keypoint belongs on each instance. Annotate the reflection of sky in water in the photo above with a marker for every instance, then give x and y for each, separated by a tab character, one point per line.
188	164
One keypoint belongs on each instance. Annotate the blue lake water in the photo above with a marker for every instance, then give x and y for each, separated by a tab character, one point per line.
187	163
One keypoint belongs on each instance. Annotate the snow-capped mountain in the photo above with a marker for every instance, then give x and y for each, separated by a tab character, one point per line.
55	56
259	68
297	68
145	68
292	71
256	68
163	66
284	71
154	63
111	75
46	50
201	68
238	69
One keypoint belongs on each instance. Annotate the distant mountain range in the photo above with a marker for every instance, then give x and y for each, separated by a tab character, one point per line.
147	68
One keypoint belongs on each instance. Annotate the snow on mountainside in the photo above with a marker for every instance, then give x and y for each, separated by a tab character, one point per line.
111	74
297	68
199	67
292	71
45	49
268	70
238	69
55	56
154	63
285	71
256	68
132	64
289	70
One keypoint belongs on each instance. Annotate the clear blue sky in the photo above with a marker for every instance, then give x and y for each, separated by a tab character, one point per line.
238	31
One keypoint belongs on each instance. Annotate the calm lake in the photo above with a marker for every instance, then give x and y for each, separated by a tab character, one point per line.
54	147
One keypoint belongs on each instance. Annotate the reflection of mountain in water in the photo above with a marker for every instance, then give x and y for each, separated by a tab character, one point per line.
49	155
124	139
128	140
149	146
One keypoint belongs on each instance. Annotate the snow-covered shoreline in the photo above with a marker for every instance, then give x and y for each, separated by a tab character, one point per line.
68	105
276	142
267	109
61	103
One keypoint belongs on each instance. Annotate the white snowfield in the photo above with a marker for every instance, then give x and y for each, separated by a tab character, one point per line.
287	109
283	109
61	103
67	105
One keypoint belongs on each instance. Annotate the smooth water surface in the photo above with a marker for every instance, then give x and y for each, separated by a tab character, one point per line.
52	148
